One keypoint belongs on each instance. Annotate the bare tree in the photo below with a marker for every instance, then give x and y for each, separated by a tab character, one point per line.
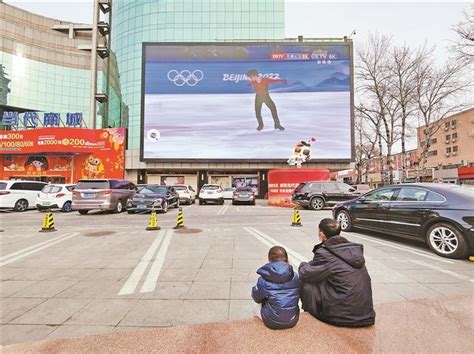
438	95
464	45
365	147
373	75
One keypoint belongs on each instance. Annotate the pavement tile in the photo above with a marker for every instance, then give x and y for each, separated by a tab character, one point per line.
383	276
169	290
10	287
186	263
102	312
15	273
382	294
111	274
221	263
69	331
240	309
241	290
52	312
251	264
45	288
152	313
413	291
202	311
452	288
209	290
426	276
213	275
239	274
92	289
13	307
178	274
24	333
74	274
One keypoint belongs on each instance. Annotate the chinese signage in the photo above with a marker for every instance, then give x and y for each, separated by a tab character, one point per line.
63	152
32	119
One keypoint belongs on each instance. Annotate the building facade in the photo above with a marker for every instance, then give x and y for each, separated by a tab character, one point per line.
451	147
135	22
46	68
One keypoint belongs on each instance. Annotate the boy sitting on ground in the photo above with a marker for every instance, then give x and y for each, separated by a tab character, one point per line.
277	291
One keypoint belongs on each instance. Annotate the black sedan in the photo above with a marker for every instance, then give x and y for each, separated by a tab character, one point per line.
440	214
153	197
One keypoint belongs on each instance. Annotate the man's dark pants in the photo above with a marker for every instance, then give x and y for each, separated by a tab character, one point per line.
260	99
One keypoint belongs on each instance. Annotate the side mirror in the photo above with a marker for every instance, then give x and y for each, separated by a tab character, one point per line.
362	200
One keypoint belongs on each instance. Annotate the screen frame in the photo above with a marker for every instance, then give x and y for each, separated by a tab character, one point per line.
334	42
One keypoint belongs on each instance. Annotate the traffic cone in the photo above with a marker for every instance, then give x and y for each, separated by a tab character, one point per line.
179	220
296	218
153	223
471	258
48	222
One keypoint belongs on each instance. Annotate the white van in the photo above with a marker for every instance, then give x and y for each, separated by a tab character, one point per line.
19	195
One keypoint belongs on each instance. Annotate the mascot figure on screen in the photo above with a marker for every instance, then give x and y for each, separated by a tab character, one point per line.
301	153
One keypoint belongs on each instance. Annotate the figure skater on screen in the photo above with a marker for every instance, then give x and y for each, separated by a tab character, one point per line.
262	96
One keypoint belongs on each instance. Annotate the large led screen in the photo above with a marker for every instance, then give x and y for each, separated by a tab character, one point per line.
246	101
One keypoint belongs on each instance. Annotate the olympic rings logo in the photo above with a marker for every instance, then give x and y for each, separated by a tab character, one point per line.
185	77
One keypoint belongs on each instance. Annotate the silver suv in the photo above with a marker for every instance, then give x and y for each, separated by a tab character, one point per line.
102	194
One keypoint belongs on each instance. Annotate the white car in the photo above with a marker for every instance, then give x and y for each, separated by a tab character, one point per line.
19	195
229	193
187	194
211	193
55	196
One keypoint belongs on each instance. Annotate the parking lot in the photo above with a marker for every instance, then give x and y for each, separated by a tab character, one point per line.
101	273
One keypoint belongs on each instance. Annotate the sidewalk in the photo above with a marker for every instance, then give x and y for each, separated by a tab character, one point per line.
423	326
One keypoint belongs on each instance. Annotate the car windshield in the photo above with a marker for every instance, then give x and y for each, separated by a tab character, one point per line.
153	190
51	189
180	188
92	184
300	187
211	188
468	192
3	186
244	189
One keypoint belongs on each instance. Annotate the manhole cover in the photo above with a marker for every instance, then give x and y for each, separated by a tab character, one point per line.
188	231
99	233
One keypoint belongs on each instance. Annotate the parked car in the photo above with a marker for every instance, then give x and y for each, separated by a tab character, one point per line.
153	197
19	195
229	193
211	193
319	194
442	215
243	195
187	194
362	188
55	196
102	194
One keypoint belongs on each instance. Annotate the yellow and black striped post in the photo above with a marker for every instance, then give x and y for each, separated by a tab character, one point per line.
48	222
153	223
179	220
296	218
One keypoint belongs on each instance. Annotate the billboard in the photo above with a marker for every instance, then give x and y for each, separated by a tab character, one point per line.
71	153
246	101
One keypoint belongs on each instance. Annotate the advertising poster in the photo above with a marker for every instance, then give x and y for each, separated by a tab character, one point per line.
63	152
244	102
252	182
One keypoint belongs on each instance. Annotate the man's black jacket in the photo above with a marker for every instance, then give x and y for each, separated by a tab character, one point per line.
336	287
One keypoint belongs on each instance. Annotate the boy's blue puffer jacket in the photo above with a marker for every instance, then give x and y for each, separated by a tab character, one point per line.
278	291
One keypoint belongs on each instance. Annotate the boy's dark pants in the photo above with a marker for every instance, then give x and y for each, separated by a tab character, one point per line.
260	99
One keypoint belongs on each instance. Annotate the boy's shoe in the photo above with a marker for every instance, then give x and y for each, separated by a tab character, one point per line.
280	127
260	127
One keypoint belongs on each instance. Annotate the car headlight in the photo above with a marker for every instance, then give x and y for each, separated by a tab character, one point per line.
157	202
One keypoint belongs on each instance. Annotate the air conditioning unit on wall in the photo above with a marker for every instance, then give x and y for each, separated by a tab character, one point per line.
454	153
448	154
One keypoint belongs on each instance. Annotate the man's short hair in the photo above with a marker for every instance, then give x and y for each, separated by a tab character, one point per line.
252	72
330	227
277	254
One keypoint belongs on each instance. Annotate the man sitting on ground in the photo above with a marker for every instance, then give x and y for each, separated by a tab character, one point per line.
336	287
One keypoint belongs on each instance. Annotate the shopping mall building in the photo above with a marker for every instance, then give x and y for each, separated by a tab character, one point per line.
46	68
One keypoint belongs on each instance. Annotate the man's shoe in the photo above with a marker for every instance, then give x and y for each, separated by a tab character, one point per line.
279	127
260	127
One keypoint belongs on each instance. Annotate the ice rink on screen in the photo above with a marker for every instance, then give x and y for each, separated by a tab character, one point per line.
223	126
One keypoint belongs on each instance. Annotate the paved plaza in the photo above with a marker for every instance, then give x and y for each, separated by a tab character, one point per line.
103	273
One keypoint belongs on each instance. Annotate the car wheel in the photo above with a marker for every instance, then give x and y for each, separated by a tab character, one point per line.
221	201
67	207
194	201
201	202
316	203
119	207
164	207
446	241
21	205
83	212
344	219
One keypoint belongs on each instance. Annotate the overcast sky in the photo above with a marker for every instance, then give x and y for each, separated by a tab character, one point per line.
408	21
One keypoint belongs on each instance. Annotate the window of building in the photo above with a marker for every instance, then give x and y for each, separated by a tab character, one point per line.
448	137
455	148
454	136
433	141
433	153
453	123
447	124
448	150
